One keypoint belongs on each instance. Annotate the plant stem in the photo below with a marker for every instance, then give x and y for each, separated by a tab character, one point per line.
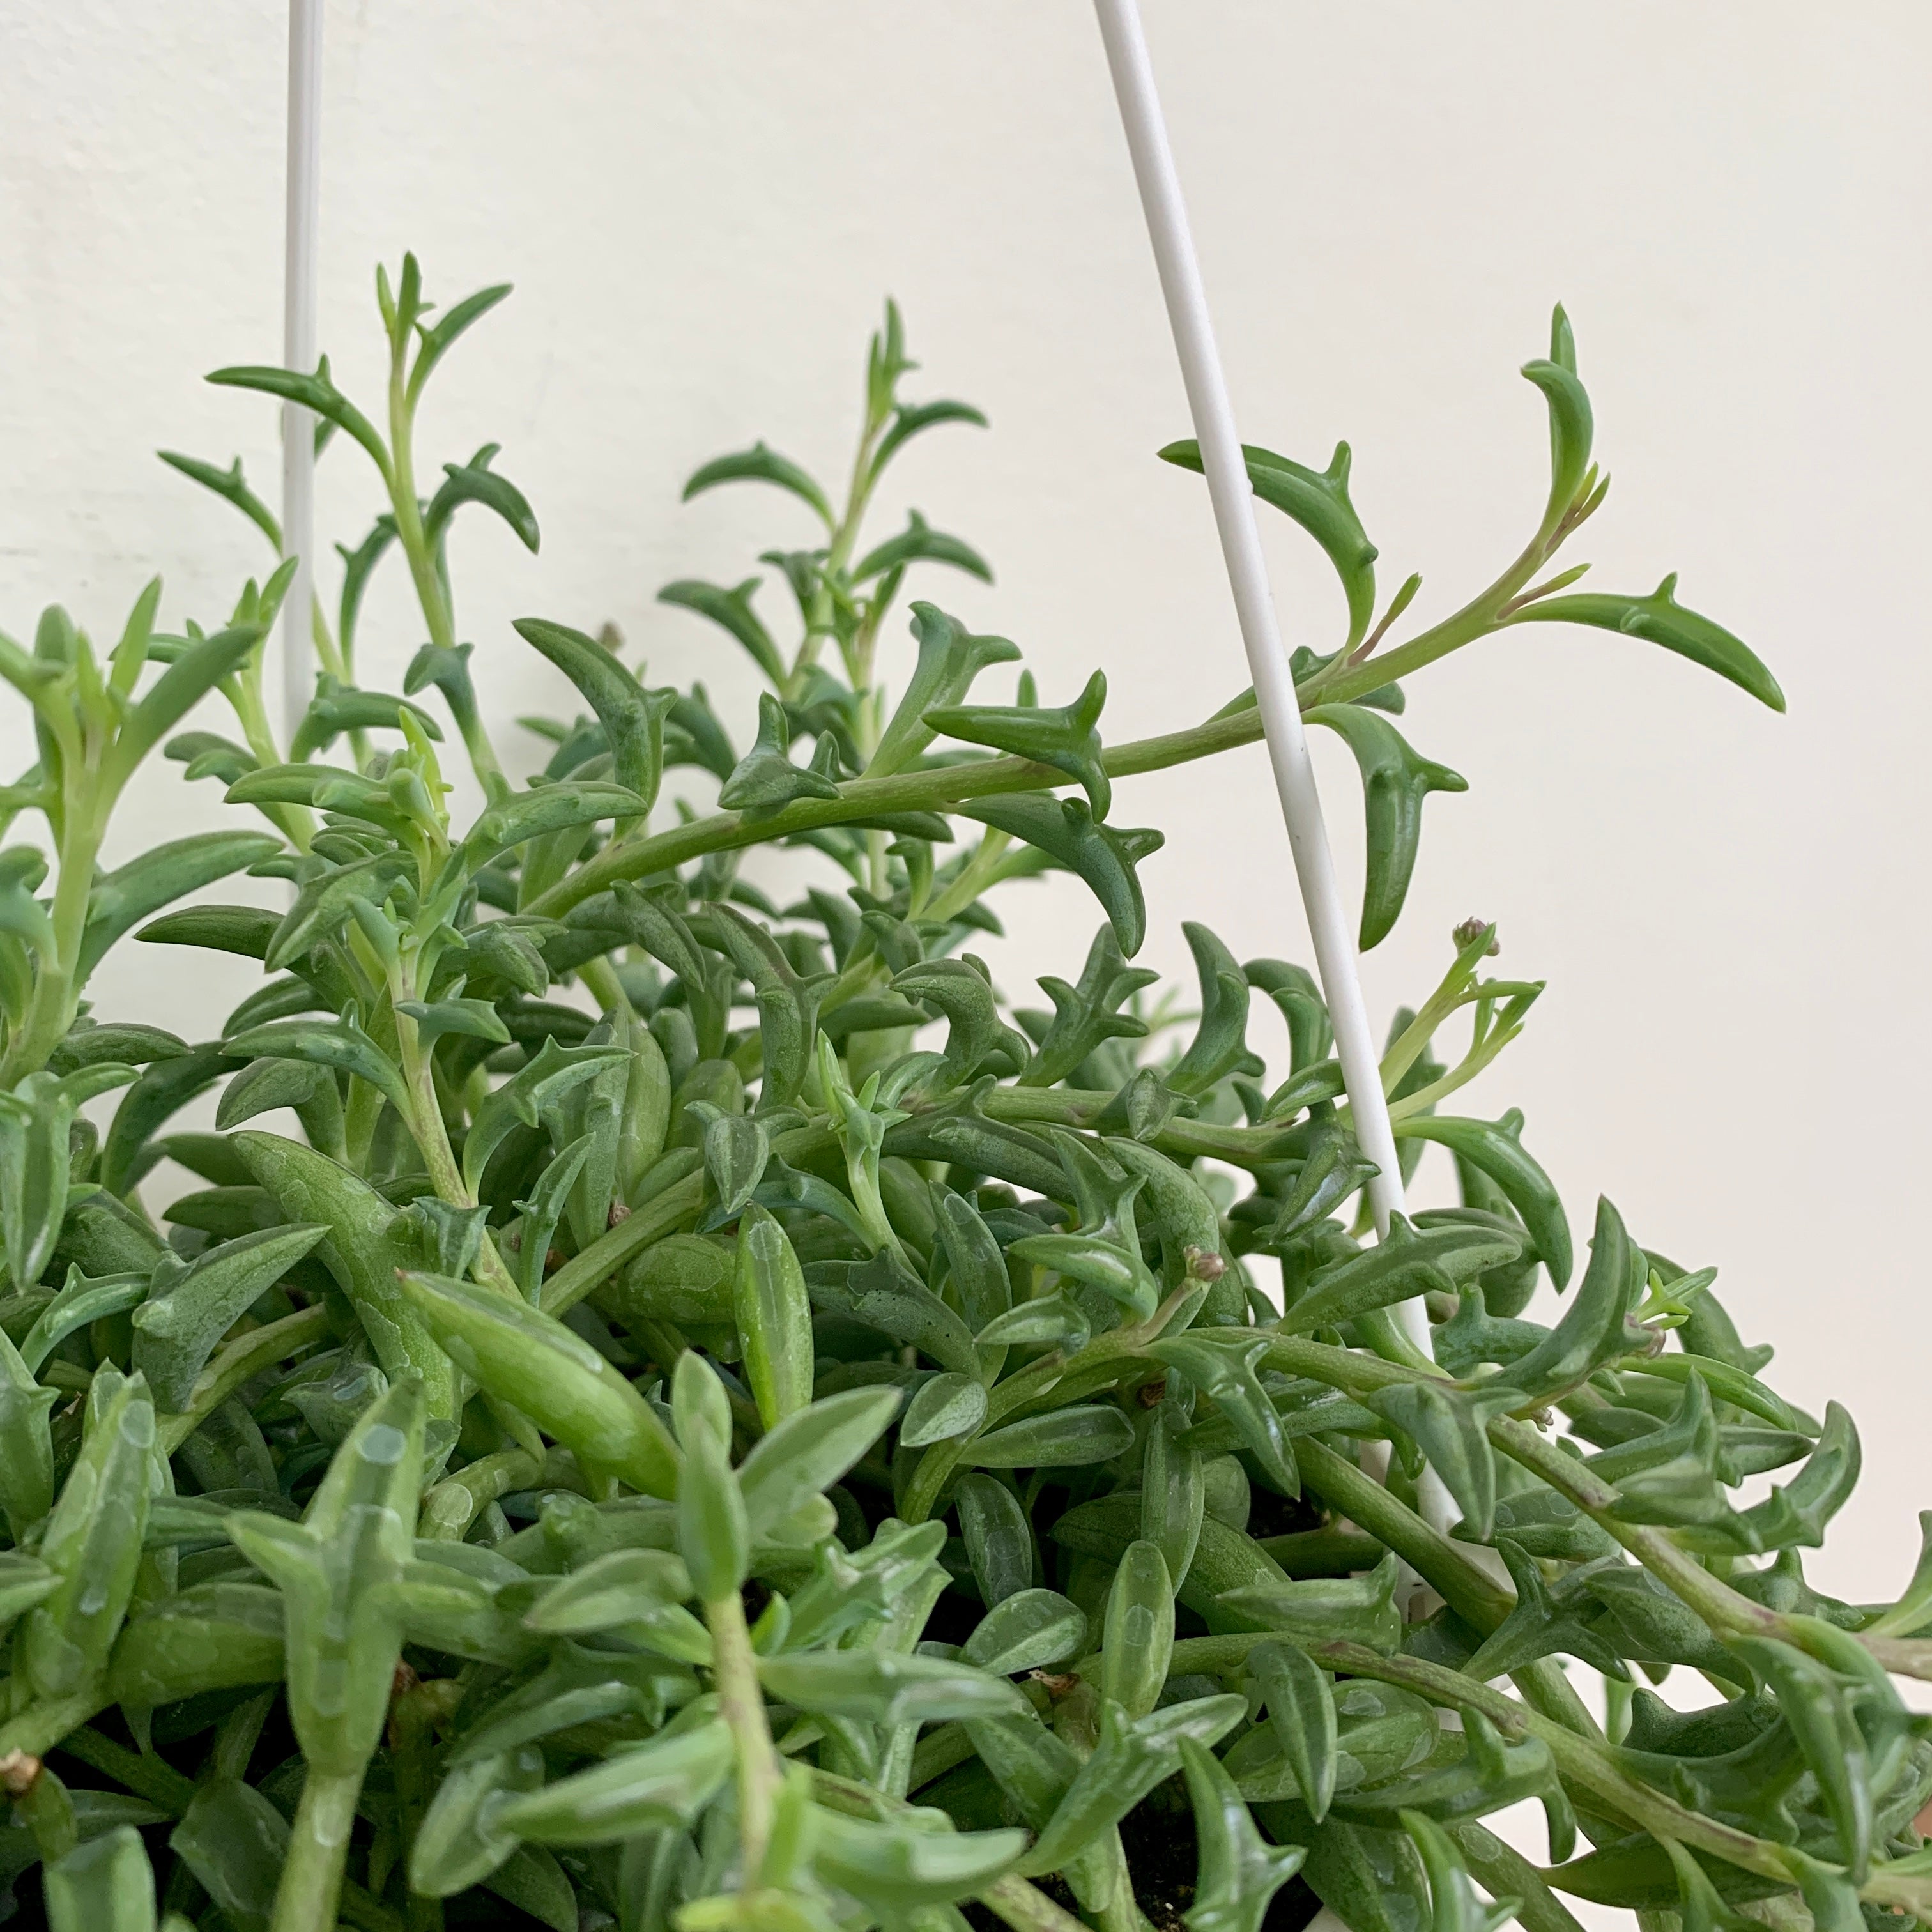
153	1778
57	984
1064	1107
1026	1908
240	1361
1728	1613
37	1728
1022	1905
741	1702
600	979
1472	1063
858	798
432	1137
409	514
1340	682
360	1114
335	662
973	878
410	1758
453	1504
1363	1500
1586	1764
660	1216
296	822
843	534
311	1883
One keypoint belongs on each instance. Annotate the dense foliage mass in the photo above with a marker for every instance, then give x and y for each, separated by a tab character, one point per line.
778	1439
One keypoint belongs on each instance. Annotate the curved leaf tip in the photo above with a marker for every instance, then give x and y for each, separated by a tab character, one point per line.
1659	618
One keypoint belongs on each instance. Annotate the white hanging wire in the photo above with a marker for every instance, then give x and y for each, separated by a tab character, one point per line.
1228	487
1226	472
299	353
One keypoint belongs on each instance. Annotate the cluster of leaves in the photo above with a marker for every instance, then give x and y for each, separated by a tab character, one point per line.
781	1439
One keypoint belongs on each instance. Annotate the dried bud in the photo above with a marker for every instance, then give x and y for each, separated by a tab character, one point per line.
1057	1684
1151	1395
405	1719
618	1214
553	1259
19	1772
1472	929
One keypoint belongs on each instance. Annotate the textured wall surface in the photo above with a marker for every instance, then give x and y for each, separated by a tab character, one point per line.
702	207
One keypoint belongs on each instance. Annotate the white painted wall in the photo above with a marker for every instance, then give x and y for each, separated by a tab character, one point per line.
702	207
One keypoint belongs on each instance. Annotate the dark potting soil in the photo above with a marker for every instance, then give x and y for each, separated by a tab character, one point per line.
1271	1515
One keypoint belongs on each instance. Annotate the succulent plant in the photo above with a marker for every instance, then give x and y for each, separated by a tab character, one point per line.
671	1410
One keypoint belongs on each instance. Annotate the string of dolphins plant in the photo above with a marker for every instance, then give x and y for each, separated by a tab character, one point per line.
781	1438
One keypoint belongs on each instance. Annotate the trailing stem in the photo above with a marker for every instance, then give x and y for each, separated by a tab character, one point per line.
310	1890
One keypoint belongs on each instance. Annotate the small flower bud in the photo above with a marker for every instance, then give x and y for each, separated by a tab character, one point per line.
1471	929
19	1772
620	1213
1204	1267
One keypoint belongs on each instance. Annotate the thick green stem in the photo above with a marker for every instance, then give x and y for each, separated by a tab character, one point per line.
432	1138
1027	1908
334	662
437	615
1022	1905
1728	1613
662	1215
151	1778
36	1729
311	1883
741	1703
1339	682
360	1115
296	822
1579	1762
1433	1557
1585	1765
239	1362
859	798
411	1749
454	1505
1425	1098
600	977
56	996
843	534
973	878
409	514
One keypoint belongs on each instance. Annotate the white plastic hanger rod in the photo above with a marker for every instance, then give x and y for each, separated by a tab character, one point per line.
1328	921
1335	955
299	353
1227	487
